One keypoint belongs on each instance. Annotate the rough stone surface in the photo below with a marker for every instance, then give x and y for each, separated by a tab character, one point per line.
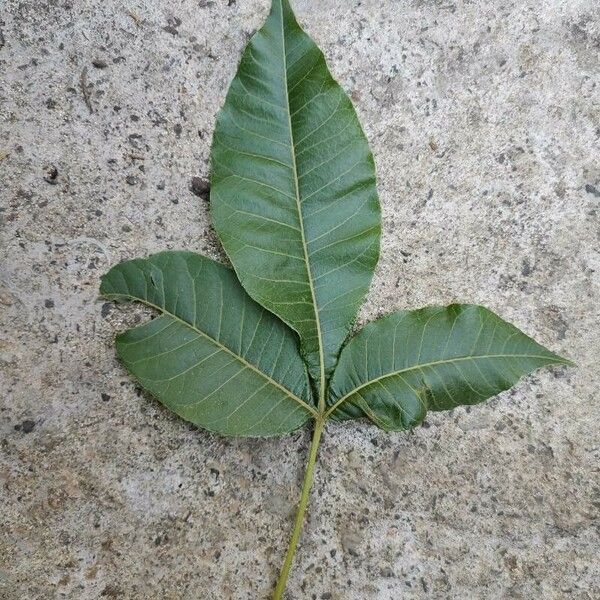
485	124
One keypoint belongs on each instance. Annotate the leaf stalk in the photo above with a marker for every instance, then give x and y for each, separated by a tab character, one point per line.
302	505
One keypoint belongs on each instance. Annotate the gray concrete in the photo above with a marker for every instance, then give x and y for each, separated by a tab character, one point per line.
484	119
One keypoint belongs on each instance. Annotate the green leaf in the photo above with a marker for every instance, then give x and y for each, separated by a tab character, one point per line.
214	356
293	191
294	202
435	358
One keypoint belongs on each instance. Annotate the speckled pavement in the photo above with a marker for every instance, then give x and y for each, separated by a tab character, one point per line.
484	118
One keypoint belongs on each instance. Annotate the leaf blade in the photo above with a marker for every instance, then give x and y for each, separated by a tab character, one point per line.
434	358
258	384
287	149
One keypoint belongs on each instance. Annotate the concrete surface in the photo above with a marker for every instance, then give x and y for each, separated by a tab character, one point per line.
485	122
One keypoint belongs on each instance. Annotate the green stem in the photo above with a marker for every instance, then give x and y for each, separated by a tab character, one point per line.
304	496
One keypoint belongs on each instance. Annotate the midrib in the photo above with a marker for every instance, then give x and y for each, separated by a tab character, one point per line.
301	221
416	367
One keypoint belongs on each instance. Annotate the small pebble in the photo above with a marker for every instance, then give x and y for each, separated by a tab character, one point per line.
200	187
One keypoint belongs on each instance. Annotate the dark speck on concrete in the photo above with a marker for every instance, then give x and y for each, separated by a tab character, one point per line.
131	179
27	426
99	63
49	303
105	397
51	175
172	26
110	591
590	189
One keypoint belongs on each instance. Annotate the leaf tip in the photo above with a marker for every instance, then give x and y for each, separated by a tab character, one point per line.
561	360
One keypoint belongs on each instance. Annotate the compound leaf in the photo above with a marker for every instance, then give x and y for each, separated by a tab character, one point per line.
214	356
435	358
293	194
